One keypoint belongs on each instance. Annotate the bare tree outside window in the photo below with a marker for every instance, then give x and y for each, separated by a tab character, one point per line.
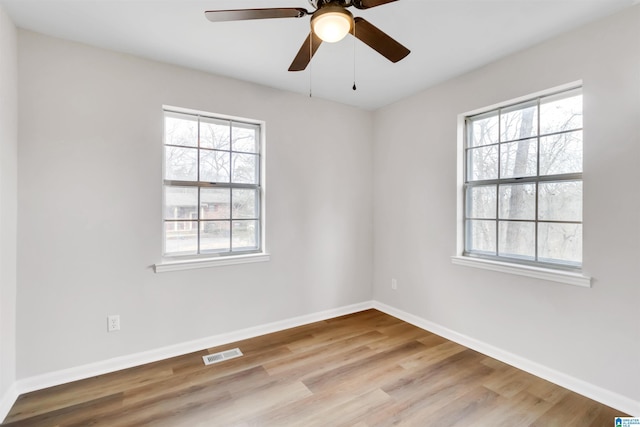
212	192
523	181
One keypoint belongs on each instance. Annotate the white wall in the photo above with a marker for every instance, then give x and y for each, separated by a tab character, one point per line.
591	334
8	199
90	158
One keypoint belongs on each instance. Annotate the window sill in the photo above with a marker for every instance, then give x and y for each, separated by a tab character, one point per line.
567	277
191	264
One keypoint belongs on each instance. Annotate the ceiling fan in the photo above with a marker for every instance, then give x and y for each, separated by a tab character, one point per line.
330	22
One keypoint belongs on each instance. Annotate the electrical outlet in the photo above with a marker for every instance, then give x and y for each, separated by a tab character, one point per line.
394	284
113	323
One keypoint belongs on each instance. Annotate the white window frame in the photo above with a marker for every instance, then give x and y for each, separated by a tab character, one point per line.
572	276
171	262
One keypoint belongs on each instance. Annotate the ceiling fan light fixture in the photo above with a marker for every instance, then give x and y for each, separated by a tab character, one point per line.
331	23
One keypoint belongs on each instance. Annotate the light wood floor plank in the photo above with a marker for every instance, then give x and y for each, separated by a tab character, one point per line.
364	369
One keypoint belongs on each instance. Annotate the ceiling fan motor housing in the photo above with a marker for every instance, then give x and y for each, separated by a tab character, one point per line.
317	4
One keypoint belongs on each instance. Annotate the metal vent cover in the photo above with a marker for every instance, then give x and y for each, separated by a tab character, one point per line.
210	359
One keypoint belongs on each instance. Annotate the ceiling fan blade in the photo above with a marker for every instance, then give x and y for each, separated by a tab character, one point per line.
305	53
245	14
367	4
379	41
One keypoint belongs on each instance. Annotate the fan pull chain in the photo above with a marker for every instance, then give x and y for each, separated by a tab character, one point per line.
310	66
354	56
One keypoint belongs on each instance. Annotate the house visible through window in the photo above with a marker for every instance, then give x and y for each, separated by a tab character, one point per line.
212	188
523	182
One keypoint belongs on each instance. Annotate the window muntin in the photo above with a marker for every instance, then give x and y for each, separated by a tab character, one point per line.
212	185
523	182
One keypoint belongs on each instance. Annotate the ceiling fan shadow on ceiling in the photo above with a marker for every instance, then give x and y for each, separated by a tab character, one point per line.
330	22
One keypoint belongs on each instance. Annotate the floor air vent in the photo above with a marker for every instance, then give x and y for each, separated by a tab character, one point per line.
210	359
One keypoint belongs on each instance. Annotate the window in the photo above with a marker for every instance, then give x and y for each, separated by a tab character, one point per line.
523	182
212	185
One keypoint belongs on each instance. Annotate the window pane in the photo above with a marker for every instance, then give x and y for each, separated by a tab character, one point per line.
562	112
245	137
560	201
214	166
245	168
481	202
207	218
561	153
245	204
245	235
181	237
538	140
180	202
483	130
214	133
180	129
180	164
214	236
517	240
518	159
519	121
215	203
481	237
482	163
517	201
560	243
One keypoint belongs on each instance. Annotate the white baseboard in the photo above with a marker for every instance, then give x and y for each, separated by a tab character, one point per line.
7	401
599	394
64	376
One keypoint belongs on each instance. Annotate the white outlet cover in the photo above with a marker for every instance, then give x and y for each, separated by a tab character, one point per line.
113	323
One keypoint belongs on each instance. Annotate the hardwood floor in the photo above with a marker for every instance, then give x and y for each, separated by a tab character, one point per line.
365	369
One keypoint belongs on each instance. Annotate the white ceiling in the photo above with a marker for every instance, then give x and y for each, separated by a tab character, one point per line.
446	37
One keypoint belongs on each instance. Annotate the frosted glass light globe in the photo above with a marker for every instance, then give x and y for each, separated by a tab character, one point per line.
331	24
